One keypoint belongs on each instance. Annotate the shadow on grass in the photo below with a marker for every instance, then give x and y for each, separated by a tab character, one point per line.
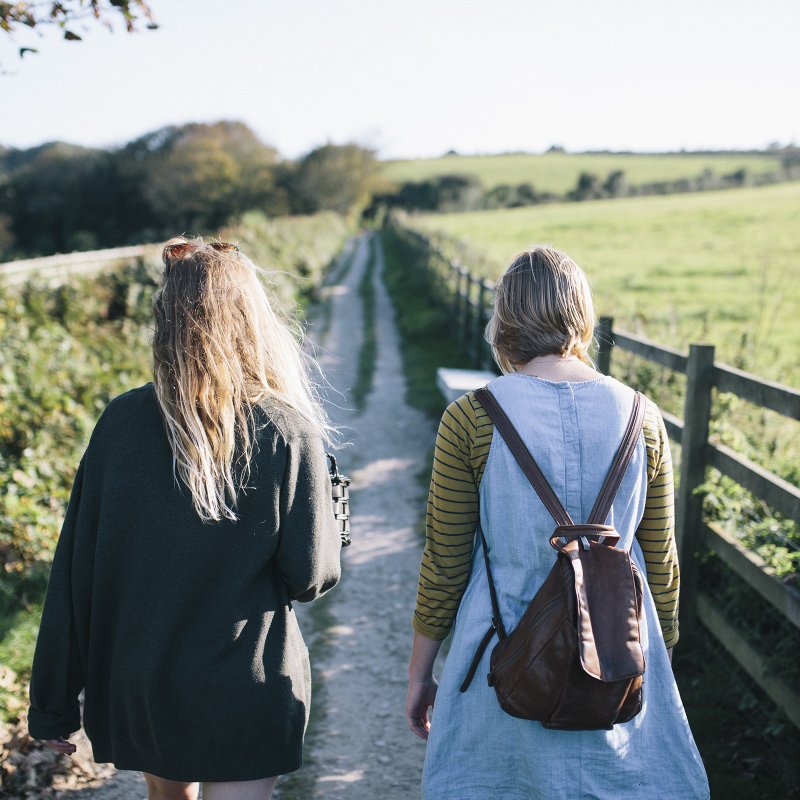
368	353
428	340
750	750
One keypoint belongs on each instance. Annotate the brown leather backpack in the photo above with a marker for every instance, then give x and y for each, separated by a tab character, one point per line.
575	661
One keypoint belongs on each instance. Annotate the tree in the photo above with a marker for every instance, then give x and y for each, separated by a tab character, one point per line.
336	178
200	176
527	194
614	184
192	178
64	14
587	188
57	201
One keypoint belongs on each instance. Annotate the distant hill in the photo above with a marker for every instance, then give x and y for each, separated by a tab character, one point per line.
12	159
558	172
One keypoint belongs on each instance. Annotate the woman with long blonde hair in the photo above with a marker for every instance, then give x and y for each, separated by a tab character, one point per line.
200	510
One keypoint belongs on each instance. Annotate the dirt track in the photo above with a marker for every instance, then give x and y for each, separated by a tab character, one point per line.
361	747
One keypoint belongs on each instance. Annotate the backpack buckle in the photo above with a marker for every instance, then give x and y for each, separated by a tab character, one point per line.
499	628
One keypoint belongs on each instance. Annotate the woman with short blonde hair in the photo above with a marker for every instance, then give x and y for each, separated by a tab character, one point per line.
542	305
201	509
572	419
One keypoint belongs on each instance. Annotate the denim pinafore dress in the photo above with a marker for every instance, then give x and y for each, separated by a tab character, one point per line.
478	752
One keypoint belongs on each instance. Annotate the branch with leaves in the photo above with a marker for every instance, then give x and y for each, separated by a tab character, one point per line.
63	14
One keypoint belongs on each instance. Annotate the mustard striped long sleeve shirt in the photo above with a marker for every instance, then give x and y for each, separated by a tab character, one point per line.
462	449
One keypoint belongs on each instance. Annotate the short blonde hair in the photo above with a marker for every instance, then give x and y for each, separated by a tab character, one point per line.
543	304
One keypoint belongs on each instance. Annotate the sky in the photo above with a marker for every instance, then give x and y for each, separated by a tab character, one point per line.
417	78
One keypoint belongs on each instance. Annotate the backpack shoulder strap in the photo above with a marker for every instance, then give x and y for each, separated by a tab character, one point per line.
497	621
602	505
523	456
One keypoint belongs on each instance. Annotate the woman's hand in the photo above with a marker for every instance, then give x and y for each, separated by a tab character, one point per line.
60	746
421	696
422	685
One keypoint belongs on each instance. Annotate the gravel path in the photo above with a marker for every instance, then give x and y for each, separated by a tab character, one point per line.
362	748
358	745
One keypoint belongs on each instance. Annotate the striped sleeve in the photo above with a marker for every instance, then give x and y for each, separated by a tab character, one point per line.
461	451
656	531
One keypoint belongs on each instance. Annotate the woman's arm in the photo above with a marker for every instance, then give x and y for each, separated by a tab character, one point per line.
308	557
656	531
462	444
422	685
57	673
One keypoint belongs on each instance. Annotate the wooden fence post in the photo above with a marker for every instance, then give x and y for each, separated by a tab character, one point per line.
469	320
604	344
462	310
487	361
694	442
477	331
456	279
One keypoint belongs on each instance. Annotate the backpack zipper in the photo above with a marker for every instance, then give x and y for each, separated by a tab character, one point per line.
541	617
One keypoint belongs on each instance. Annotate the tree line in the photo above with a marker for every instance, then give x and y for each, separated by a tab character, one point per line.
463	192
179	179
199	177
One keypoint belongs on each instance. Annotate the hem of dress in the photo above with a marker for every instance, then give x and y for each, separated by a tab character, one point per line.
187	777
489	792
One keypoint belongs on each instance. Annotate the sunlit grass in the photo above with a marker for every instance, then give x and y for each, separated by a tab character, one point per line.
722	267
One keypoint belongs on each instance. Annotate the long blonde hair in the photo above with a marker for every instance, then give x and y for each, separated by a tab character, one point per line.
542	304
218	350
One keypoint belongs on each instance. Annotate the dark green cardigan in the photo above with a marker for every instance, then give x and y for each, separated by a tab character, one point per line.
183	633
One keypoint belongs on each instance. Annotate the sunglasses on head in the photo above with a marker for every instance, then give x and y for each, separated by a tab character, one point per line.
179	250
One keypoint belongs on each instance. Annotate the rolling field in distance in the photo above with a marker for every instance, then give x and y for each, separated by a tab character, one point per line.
721	267
558	172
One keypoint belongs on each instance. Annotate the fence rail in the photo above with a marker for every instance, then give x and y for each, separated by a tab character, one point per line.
471	307
55	269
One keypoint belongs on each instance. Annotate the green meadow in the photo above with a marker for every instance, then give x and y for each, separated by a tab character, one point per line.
558	172
720	267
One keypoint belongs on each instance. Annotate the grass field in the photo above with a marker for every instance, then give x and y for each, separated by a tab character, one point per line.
722	267
558	172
